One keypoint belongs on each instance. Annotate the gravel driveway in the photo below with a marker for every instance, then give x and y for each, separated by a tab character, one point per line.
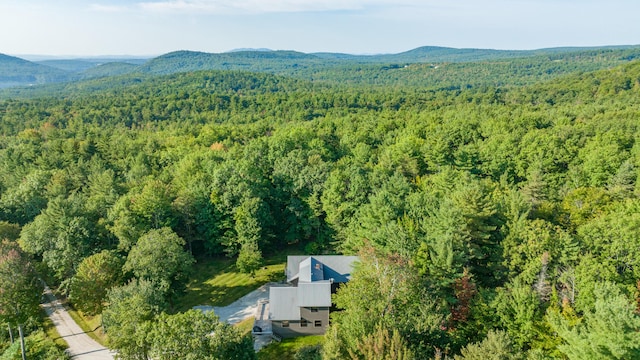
241	309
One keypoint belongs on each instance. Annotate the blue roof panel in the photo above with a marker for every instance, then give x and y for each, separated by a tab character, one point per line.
317	270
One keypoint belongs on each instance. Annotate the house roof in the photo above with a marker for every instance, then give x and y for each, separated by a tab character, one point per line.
321	267
283	303
315	274
314	294
311	270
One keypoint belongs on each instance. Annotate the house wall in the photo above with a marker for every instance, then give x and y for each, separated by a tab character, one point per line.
296	329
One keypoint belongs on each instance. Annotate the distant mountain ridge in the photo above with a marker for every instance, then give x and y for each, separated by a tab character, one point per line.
426	54
249	49
82	64
15	71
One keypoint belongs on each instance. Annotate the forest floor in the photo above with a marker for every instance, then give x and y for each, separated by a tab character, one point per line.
81	346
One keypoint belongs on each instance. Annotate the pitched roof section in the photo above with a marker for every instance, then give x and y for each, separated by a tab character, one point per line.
314	294
319	268
283	303
315	274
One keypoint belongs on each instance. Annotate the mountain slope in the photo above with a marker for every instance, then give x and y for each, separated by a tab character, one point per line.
15	71
71	65
437	54
80	65
259	61
109	69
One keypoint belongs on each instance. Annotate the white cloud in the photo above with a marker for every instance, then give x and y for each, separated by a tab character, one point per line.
276	6
182	6
108	8
268	6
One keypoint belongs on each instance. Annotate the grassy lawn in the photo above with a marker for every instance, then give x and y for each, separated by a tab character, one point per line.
286	349
218	282
245	326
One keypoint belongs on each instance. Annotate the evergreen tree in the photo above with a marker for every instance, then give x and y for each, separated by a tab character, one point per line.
609	330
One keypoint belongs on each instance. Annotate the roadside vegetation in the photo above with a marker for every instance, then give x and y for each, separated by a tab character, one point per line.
52	333
91	325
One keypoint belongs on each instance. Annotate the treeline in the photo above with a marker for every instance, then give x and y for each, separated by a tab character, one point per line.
489	219
442	74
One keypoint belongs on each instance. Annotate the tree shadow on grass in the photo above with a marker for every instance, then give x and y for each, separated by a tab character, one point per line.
196	294
217	282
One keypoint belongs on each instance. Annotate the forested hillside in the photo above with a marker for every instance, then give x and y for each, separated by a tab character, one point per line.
15	71
433	67
496	212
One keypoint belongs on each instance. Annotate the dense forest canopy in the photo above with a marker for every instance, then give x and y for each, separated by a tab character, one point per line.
494	204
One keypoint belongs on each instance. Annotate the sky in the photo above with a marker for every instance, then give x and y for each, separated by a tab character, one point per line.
154	27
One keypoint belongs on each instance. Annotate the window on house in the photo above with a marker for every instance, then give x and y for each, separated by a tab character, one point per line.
285	324
303	323
318	323
313	309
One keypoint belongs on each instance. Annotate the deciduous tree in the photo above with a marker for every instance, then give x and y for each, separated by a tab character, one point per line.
20	289
95	276
159	256
128	316
195	335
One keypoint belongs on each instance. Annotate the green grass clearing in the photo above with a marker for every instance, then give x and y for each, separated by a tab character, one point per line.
286	349
218	282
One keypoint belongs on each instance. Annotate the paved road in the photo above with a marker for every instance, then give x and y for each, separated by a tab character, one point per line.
81	346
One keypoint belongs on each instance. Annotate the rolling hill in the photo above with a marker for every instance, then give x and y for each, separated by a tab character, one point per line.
15	72
256	61
331	67
437	54
109	69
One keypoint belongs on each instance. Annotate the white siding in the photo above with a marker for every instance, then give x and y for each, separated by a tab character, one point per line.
305	270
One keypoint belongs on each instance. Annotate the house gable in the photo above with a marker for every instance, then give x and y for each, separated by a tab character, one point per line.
318	268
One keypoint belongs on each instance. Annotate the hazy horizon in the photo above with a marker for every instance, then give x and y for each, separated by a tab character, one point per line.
147	28
45	57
